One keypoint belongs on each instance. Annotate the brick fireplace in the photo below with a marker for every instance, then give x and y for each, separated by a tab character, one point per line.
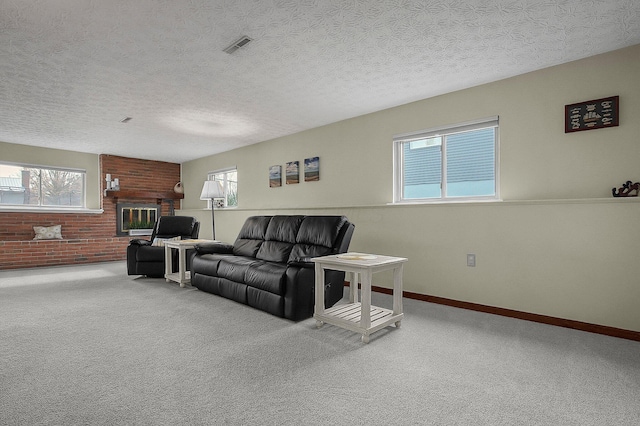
89	238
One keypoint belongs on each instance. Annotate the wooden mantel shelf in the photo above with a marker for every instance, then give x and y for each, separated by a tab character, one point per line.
147	195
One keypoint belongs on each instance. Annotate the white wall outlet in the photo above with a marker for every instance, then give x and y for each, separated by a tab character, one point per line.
471	260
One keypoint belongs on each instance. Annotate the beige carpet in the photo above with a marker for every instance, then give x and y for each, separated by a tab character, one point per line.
89	345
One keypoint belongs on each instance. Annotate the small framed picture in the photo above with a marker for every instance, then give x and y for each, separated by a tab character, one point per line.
589	115
293	172
311	169
275	176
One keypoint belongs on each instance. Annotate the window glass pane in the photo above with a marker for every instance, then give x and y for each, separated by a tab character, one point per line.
229	180
38	187
449	162
231	188
15	186
61	187
471	163
422	169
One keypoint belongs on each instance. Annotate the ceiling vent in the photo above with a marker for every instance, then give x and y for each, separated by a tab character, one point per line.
242	41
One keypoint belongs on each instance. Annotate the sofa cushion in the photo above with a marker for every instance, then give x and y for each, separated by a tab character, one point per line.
150	254
304	252
207	263
255	228
316	237
280	236
251	236
283	228
234	267
170	226
320	230
246	247
274	251
267	276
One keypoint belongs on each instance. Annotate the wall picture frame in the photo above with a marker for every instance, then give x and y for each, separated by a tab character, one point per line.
293	172
590	115
275	176
312	169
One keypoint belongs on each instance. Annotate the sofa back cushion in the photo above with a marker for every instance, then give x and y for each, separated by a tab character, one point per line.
279	239
173	226
251	236
316	237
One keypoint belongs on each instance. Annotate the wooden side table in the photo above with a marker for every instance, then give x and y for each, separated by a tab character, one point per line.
356	316
183	276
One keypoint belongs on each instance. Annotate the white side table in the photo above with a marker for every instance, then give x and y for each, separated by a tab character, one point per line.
183	276
356	316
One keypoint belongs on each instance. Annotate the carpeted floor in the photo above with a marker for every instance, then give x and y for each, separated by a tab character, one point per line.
88	345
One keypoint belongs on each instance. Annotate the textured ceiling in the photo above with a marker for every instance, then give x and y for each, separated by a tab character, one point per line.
71	70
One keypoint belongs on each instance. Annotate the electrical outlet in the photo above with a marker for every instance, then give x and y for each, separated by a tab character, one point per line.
471	260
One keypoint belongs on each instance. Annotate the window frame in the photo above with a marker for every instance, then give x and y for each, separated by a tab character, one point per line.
443	132
48	207
211	176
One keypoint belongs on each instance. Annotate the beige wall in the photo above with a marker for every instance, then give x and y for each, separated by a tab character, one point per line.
558	245
58	158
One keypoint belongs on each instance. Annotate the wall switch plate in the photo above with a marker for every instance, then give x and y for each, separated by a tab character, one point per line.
471	260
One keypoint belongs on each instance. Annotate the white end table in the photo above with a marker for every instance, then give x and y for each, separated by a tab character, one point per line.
183	276
356	316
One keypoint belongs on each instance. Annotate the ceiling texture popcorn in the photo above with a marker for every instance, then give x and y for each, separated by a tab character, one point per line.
72	70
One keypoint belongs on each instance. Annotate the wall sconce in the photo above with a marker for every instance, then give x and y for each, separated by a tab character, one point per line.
111	185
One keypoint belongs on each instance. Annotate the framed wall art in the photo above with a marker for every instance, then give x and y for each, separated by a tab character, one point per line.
311	169
589	115
293	172
275	176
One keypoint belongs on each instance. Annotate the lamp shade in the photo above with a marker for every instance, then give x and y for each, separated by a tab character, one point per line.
212	189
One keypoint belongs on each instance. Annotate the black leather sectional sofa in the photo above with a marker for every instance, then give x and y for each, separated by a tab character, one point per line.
269	268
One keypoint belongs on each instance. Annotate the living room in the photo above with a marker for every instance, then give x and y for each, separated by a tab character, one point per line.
557	244
554	246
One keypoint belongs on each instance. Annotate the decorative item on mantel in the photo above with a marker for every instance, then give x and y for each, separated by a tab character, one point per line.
178	188
111	185
627	190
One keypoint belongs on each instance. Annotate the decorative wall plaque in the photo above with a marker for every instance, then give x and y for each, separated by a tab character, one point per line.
589	115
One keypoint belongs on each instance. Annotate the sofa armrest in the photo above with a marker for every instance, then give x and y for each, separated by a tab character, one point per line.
218	248
138	242
303	262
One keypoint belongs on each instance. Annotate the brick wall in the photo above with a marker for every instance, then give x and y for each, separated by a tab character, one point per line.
141	175
27	254
87	237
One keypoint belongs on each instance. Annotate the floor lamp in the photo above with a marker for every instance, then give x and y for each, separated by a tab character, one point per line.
212	189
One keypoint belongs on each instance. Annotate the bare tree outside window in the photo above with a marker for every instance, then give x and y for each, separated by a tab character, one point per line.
57	187
41	187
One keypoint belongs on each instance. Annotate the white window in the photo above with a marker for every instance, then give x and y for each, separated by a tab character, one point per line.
35	186
229	180
452	163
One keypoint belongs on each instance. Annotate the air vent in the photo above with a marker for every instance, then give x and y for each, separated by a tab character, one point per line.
242	41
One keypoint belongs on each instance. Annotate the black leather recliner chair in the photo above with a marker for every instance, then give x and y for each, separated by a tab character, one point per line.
145	259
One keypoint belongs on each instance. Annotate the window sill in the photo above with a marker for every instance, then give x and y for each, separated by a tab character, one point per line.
21	209
447	201
524	202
